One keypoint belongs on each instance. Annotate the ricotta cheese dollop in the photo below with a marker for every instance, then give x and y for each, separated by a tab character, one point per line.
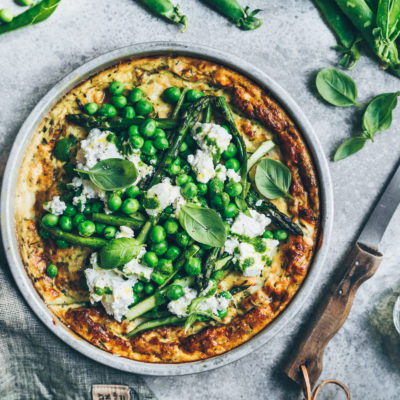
179	307
202	163
252	226
211	138
55	206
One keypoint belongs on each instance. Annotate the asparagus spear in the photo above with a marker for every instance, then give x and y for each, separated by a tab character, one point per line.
208	268
171	320
270	210
93	242
115	123
135	221
179	104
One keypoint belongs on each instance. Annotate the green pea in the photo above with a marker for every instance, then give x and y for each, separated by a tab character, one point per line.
181	180
165	266
157	277
161	143
110	232
232	163
88	209
135	300
44	234
280	234
50	220
148	148
99	229
174	169
65	223
130	206
128	112
116	88
99	290
62	149
52	270
220	200
136	141
148	128
143	107
6	15
135	95
230	211
218	275
157	234
174	292
150	259
78	218
160	248
183	148
149	288
172	94
112	138
230	151
182	239
70	210
169	210
215	186
192	95
189	190
132	191
233	188
172	253
86	228
171	226
193	266
108	110
223	313
138	287
91	108
119	101
114	202
268	235
133	130
62	244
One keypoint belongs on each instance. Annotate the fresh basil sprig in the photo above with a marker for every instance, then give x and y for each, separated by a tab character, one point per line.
336	88
119	252
377	117
37	13
203	224
112	174
273	179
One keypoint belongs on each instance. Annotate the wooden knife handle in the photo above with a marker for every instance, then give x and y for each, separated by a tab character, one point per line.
359	265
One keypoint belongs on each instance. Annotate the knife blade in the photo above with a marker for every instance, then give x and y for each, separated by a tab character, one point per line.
335	305
377	222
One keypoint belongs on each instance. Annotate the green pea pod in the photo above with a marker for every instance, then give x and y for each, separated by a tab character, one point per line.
166	9
344	30
38	13
239	16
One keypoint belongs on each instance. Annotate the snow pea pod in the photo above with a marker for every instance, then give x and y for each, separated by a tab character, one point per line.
344	30
38	13
235	12
166	9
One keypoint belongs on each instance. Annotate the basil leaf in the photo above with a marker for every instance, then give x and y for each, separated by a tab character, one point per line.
119	252
37	13
273	178
112	174
349	147
203	225
378	114
336	88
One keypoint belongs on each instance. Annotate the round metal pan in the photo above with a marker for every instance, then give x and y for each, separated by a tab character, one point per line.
18	151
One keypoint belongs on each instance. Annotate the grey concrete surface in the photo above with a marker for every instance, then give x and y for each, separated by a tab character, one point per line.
291	46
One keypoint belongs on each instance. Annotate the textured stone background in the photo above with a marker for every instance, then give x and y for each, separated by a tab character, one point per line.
291	46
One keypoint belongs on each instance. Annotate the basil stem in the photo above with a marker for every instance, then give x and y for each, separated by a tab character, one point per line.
37	13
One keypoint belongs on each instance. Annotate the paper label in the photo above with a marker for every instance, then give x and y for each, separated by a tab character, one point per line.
110	392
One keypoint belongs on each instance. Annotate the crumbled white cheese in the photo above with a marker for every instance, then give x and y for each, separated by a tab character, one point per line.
166	194
143	169
55	206
202	164
211	138
89	191
220	172
213	304
179	307
95	148
250	226
259	202
231	244
232	174
134	267
117	303
76	182
125	232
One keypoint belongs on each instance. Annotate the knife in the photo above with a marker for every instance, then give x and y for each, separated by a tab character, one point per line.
359	265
